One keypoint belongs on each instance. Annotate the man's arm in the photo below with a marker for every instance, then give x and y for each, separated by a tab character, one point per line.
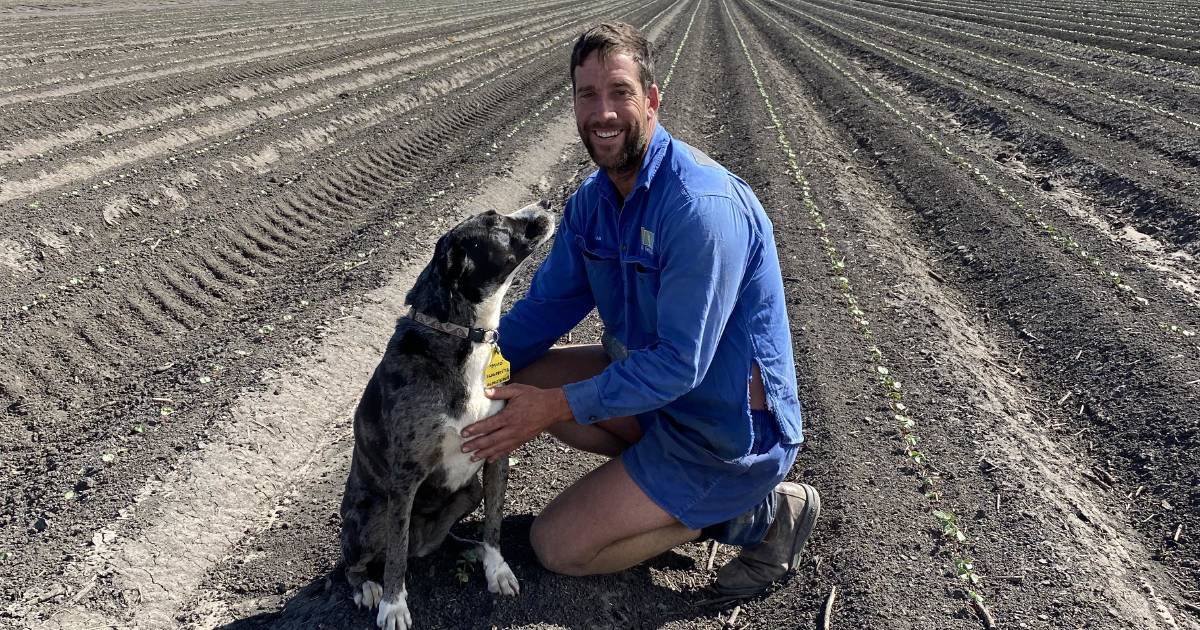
705	255
701	268
558	298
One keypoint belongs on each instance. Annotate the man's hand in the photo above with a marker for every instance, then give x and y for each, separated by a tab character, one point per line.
530	410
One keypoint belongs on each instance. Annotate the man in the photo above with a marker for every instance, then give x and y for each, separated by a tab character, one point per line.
693	392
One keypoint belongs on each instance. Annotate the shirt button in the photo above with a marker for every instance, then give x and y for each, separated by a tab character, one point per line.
622	248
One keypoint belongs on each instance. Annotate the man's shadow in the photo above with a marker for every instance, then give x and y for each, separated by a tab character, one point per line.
446	591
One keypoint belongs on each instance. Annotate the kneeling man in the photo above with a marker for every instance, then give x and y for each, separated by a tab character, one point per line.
693	391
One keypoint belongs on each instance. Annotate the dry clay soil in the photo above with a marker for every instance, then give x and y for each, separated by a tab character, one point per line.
986	215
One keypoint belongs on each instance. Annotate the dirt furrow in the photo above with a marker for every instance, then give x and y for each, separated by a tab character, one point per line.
120	93
1100	15
261	254
1042	322
177	29
970	413
1073	93
431	71
114	134
363	37
1184	55
1157	199
25	46
1112	56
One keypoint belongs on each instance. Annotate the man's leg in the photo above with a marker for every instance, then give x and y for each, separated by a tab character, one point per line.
570	364
602	524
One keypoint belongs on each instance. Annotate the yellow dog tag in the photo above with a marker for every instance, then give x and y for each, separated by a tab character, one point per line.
498	370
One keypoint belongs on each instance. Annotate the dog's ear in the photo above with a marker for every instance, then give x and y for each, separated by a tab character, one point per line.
458	264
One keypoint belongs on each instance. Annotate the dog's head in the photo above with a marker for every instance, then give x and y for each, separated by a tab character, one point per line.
476	259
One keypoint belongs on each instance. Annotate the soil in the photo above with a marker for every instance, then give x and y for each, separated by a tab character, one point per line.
986	215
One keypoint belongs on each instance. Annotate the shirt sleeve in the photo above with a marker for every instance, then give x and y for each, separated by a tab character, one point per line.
703	257
559	298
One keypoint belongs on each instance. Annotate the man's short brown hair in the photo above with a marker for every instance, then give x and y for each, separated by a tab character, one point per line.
612	38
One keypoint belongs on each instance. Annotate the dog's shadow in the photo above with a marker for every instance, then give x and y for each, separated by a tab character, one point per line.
444	591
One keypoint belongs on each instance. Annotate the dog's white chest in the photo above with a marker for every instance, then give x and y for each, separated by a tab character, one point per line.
457	465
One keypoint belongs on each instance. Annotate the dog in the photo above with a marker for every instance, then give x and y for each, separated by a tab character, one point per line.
409	480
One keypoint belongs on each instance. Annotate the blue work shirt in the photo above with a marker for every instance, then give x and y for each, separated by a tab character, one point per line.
685	274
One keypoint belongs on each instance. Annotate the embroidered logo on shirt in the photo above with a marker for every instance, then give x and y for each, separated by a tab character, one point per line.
647	241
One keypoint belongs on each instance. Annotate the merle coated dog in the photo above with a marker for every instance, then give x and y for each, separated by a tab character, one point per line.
409	479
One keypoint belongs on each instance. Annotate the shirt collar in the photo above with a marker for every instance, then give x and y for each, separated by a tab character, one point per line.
656	150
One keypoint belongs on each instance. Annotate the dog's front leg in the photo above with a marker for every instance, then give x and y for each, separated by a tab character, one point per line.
500	577
393	608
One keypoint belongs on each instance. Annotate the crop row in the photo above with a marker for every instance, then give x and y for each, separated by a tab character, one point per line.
265	95
226	123
191	73
1159	193
1058	16
1103	69
228	53
1060	237
1162	53
954	538
1178	44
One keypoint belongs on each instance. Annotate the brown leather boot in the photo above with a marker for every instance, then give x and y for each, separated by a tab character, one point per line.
757	567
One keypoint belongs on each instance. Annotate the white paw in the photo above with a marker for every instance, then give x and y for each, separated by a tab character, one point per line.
371	593
501	580
394	615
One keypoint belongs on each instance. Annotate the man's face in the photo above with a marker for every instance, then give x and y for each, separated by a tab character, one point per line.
615	117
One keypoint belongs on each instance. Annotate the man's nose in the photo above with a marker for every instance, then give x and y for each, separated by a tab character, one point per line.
607	107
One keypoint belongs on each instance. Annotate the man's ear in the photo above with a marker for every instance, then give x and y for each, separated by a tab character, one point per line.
654	98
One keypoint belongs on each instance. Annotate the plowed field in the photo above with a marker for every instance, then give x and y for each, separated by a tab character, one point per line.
988	215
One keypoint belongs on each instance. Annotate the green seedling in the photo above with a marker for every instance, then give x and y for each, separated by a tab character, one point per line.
108	458
465	565
949	523
166	410
964	568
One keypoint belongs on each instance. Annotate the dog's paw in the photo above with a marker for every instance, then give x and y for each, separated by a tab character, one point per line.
502	580
394	615
369	595
500	577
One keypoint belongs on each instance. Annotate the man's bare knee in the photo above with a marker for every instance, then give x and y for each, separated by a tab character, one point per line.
553	552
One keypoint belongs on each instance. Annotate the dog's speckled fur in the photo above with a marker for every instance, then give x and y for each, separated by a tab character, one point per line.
409	481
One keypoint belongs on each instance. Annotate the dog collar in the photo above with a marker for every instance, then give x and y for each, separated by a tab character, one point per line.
477	335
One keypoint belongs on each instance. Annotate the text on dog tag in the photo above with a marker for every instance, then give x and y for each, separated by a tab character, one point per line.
498	370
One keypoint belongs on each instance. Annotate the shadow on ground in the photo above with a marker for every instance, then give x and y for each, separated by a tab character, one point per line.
438	599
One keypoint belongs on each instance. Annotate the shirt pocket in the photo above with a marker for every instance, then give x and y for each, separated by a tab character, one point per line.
603	267
646	286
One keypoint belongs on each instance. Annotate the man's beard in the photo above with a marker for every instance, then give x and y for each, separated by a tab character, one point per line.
628	158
